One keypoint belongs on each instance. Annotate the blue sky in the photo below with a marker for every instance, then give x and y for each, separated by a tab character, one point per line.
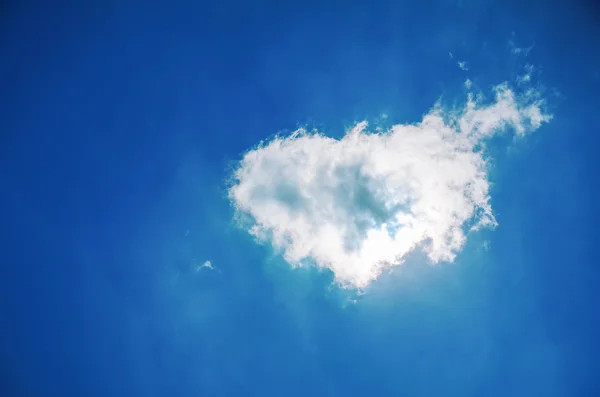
122	127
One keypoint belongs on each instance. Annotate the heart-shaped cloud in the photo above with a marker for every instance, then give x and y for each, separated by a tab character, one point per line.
362	203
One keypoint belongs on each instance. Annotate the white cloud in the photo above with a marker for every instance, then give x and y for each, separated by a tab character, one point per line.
362	203
526	77
516	50
463	65
206	265
521	50
486	245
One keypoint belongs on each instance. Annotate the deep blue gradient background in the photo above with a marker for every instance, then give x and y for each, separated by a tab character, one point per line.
120	122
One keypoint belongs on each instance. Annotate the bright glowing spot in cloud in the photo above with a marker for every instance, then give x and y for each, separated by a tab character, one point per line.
362	203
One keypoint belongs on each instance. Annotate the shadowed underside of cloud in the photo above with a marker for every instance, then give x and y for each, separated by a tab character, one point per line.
362	203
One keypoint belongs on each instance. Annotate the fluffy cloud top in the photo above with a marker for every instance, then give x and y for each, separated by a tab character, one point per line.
361	203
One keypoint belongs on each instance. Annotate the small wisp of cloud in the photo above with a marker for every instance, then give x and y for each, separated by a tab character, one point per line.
516	50
522	50
206	265
463	65
526	77
486	245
